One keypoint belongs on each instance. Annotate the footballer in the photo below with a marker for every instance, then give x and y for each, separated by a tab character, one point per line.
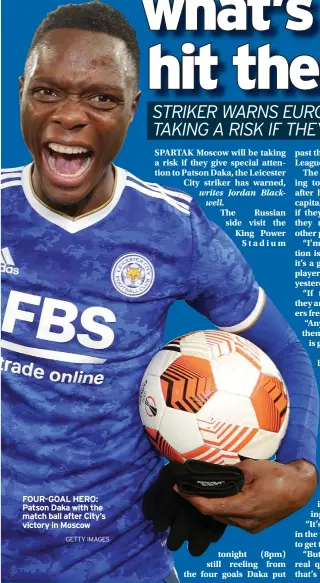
89	274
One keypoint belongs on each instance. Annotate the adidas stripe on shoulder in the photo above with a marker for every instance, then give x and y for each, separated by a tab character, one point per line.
11	177
8	170
178	200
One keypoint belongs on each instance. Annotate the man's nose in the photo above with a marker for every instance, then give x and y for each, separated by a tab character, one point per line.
70	115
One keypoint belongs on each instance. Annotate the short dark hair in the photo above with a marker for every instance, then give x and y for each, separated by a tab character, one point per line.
95	17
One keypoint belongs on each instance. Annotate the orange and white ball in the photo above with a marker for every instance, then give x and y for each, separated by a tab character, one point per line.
216	397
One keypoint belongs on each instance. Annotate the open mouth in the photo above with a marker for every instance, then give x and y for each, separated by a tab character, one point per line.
67	164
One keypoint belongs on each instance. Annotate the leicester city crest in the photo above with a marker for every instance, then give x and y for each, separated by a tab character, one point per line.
132	275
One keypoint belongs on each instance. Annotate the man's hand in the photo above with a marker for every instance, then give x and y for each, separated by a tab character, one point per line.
272	491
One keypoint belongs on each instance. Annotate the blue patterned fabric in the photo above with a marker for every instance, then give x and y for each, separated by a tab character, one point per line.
99	297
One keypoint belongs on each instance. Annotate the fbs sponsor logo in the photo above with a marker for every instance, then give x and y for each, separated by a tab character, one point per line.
7	263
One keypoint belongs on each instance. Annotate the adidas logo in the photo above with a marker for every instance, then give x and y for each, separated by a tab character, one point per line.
7	263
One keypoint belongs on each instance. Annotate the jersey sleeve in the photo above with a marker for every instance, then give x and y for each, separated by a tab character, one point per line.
276	338
223	288
222	285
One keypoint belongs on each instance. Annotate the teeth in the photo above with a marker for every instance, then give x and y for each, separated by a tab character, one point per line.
67	149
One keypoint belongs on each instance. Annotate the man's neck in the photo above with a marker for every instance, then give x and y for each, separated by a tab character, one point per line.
95	199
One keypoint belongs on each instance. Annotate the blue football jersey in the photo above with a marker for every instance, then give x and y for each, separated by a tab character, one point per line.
84	305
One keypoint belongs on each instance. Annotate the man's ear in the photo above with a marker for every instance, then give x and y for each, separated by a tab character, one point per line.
135	104
21	86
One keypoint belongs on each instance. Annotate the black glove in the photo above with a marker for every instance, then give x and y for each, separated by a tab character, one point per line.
167	509
209	480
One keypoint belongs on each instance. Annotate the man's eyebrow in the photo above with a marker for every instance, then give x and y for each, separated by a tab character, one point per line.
41	79
92	87
104	87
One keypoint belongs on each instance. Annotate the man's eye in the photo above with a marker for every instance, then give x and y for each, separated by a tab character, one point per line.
102	98
104	101
44	93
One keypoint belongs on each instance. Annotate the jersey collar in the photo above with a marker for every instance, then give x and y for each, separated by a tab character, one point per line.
70	224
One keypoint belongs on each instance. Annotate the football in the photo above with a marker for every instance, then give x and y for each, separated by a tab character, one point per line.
213	396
